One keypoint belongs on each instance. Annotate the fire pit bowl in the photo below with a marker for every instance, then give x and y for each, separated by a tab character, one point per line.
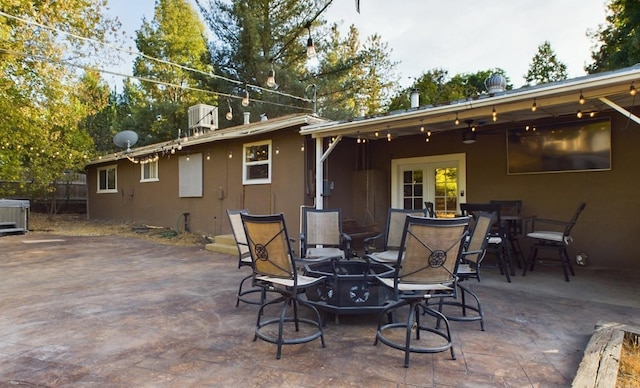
350	286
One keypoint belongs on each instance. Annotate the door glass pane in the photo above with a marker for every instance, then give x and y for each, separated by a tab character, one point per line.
446	191
412	189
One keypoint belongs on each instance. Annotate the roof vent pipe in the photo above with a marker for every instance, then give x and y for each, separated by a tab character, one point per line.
246	117
415	98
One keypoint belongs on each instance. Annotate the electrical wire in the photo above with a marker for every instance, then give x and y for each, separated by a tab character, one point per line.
132	52
88	68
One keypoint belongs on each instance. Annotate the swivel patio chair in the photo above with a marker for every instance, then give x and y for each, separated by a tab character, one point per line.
498	243
322	234
425	269
548	234
274	268
469	268
391	238
244	258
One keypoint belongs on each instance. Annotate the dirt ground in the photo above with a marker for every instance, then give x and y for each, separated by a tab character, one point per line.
79	225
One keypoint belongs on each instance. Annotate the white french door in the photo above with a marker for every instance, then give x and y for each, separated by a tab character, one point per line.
439	179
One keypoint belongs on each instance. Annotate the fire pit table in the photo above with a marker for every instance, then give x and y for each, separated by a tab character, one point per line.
350	286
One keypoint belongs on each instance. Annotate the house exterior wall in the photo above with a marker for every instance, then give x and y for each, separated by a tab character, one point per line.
607	228
158	203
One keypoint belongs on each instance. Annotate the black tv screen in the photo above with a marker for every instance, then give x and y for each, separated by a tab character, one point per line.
575	146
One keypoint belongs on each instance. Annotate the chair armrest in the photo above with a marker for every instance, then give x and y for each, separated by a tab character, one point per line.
368	241
531	223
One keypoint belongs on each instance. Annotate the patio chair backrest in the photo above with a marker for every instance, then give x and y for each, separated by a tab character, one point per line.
476	247
574	219
322	226
395	226
236	225
432	249
269	245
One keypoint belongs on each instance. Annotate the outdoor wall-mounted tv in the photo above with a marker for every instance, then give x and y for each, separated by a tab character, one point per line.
574	146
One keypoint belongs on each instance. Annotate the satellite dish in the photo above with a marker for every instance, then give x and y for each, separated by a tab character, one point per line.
125	139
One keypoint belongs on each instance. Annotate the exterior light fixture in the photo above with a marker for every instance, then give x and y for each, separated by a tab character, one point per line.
271	79
245	99
469	135
229	114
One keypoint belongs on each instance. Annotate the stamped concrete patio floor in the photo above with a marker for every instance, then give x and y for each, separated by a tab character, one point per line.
123	312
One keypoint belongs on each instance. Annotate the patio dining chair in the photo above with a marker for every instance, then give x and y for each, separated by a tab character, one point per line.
511	214
322	234
473	253
426	269
244	259
391	238
275	269
498	243
555	235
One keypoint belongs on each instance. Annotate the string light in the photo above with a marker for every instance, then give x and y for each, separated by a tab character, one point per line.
632	90
534	107
581	100
245	99
494	114
457	120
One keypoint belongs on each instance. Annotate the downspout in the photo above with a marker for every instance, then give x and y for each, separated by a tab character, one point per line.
620	109
320	159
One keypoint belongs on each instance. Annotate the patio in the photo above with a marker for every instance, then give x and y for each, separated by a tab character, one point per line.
120	311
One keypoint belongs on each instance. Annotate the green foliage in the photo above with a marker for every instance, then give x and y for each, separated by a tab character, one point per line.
436	88
174	36
619	39
545	67
250	36
41	142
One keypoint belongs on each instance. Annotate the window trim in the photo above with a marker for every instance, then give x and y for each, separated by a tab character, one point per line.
268	162
152	165
113	167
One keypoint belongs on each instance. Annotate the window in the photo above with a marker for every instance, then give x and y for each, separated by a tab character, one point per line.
107	179
149	171
256	165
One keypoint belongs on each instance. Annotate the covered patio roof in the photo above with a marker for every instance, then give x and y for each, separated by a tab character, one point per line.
603	91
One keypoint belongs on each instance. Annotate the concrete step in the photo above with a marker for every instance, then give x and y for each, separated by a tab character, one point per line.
223	244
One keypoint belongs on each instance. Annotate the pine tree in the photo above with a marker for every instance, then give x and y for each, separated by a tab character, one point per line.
545	66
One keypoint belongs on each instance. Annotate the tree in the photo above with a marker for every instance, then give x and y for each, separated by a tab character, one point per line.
41	143
253	37
175	38
619	39
435	87
545	67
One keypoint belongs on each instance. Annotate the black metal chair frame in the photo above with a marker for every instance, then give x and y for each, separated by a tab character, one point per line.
552	240
426	269
275	268
499	243
513	207
469	268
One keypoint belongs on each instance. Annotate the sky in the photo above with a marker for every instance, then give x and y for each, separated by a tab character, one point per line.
459	36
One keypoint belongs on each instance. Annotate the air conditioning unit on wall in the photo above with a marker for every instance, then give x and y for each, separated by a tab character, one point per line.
203	118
